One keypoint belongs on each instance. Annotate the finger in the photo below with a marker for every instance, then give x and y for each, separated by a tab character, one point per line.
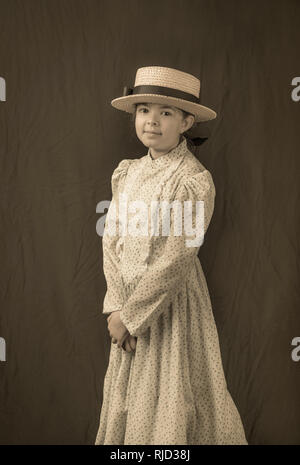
122	341
110	317
125	335
127	346
132	342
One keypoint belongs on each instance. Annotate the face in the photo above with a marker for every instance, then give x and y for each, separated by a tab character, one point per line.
159	126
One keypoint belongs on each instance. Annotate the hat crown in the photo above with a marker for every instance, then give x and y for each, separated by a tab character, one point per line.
168	77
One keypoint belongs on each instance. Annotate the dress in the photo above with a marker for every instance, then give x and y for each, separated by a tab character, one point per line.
172	389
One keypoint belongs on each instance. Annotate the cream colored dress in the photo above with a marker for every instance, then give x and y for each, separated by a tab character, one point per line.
172	389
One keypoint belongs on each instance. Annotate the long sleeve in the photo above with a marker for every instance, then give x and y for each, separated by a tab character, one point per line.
114	297
167	270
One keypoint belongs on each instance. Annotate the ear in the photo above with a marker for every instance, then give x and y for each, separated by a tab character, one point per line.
188	122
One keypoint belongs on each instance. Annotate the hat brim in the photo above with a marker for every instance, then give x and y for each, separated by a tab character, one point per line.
127	102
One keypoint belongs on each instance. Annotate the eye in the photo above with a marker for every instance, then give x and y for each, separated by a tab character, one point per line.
167	112
140	110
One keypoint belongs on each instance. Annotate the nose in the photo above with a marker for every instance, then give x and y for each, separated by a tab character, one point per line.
151	122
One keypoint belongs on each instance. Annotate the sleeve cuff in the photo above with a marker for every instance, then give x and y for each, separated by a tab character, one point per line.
111	308
128	324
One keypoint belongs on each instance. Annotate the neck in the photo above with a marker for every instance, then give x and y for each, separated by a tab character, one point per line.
156	153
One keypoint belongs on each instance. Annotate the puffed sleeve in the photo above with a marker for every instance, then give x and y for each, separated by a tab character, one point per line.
114	297
167	270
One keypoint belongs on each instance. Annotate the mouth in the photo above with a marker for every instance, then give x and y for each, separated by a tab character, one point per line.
152	132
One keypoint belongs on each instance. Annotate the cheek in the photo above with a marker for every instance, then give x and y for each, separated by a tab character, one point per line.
171	123
138	121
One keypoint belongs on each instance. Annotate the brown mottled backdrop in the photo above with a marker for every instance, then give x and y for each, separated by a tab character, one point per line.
60	139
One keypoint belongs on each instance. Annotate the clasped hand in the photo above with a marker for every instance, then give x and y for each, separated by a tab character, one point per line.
119	333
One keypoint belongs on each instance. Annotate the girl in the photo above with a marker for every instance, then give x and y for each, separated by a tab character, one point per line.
165	382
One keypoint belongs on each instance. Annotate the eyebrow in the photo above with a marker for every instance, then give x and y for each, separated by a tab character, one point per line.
164	106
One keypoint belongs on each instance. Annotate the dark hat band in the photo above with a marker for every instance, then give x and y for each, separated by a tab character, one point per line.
161	90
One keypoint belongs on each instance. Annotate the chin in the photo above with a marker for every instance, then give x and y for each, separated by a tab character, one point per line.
146	140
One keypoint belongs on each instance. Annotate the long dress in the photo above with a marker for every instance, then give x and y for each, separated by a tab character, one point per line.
172	389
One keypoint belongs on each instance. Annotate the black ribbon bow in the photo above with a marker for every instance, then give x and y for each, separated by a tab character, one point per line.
127	91
197	140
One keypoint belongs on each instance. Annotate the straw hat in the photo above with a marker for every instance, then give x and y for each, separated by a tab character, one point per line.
158	84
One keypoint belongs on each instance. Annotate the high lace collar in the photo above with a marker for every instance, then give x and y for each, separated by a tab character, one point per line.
168	157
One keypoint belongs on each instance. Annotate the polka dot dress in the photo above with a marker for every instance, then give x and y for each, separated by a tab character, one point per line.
172	389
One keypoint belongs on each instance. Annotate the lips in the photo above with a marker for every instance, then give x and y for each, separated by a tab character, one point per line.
151	132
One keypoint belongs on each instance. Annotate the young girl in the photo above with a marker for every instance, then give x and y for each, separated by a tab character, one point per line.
165	382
